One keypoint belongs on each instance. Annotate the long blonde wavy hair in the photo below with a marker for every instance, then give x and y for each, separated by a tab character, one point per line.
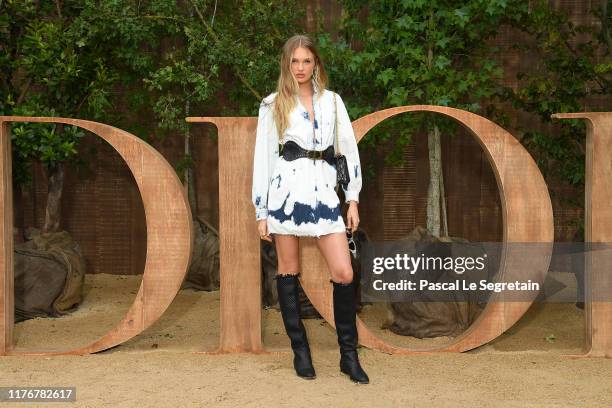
287	87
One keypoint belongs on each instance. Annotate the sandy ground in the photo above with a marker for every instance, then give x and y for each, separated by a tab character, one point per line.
159	369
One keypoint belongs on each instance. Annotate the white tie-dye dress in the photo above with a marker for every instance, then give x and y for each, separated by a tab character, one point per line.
297	197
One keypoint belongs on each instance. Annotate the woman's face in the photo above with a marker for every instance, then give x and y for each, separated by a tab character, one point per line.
302	64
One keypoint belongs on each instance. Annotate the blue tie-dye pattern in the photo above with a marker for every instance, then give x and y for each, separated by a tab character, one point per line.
326	212
303	213
356	170
279	180
257	200
306	116
280	213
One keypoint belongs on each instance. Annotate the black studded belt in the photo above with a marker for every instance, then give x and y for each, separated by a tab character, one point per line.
291	151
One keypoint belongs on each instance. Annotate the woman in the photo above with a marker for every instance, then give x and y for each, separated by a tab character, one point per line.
293	194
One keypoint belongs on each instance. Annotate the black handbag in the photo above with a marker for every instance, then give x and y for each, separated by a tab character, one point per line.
342	172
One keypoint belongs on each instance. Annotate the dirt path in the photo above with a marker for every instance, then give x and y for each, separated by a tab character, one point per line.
158	368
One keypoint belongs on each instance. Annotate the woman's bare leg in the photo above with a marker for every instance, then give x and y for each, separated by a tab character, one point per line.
287	253
334	248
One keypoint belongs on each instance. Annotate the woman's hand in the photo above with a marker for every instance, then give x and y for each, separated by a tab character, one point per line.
352	216
262	227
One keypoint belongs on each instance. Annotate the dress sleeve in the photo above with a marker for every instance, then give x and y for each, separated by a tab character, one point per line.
348	147
266	153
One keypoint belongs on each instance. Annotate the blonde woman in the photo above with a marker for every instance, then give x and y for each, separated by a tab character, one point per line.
293	194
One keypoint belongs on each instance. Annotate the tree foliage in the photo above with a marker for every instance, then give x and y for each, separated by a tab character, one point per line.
415	52
220	49
144	66
573	74
418	52
68	59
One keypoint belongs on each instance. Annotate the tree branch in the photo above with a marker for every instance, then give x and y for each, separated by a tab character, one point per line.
274	29
217	40
58	6
604	25
597	77
23	92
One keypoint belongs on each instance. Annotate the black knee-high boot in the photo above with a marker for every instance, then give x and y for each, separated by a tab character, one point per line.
346	327
287	286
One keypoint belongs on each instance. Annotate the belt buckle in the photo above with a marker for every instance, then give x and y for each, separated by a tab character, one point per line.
314	154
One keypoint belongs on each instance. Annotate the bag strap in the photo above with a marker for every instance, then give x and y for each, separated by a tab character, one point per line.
336	144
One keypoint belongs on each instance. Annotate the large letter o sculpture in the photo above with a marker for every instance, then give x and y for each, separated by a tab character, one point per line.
527	218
